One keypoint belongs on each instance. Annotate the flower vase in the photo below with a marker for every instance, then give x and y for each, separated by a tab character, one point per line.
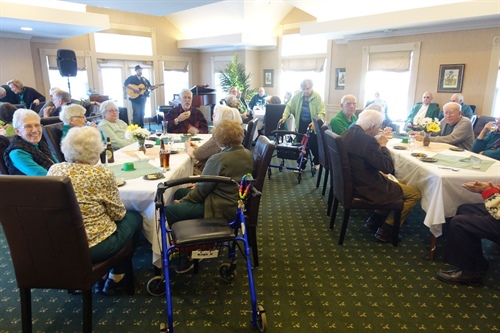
141	146
427	139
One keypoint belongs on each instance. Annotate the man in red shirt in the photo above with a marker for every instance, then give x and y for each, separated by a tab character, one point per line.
186	119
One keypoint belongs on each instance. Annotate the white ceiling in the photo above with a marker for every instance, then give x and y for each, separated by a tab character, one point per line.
209	24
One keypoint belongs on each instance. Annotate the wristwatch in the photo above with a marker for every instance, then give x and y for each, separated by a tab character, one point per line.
176	121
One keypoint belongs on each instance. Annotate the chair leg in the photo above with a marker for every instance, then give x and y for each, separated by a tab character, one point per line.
395	227
129	275
87	311
252	239
344	225
325	181
320	171
334	212
330	200
25	295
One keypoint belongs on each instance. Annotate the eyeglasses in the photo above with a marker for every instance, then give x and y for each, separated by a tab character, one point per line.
30	127
81	117
114	110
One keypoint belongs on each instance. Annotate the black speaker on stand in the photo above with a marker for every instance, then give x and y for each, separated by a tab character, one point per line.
66	63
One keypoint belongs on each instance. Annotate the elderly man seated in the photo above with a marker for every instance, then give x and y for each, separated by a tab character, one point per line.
455	129
487	142
466	109
426	109
346	117
28	154
185	118
371	162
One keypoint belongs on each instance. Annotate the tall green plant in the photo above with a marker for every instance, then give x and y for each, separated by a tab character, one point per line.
234	75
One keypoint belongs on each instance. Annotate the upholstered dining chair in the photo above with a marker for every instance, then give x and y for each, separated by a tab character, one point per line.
262	154
343	189
322	151
274	112
4	143
250	133
43	225
52	134
480	122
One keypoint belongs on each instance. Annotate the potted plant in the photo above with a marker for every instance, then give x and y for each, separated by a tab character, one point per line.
234	75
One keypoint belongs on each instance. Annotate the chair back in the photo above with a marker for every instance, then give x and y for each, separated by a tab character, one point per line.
52	134
4	143
95	119
273	114
251	128
340	172
473	108
318	123
262	154
480	122
37	108
50	120
45	233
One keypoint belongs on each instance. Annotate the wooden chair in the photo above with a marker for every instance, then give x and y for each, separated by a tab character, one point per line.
52	134
250	132
262	154
343	189
48	243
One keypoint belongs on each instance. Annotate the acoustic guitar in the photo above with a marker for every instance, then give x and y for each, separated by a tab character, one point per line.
142	89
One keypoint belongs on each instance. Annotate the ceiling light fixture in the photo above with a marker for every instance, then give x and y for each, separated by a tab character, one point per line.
26	28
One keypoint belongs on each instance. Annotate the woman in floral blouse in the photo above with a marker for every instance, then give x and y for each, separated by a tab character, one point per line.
108	225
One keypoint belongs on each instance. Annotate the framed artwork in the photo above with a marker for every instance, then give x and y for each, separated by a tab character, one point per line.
268	77
339	78
451	78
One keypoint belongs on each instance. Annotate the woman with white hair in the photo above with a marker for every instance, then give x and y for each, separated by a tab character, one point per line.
27	153
202	153
108	225
72	115
112	127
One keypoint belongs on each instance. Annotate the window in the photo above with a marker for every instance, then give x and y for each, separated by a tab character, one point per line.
78	86
304	62
175	76
496	103
123	44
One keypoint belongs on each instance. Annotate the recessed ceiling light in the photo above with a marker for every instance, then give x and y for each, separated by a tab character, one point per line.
26	28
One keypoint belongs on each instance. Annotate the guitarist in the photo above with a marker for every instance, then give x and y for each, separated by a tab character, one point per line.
138	103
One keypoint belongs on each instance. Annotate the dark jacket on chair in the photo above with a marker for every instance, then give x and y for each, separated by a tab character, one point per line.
366	159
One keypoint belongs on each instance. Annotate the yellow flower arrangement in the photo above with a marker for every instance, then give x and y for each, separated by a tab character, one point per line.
136	132
428	125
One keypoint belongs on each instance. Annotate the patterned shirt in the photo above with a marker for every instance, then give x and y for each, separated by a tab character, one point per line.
196	119
97	195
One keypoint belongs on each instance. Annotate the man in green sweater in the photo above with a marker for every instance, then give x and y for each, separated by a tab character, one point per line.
346	117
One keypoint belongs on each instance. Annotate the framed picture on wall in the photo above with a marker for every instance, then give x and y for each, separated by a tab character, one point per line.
339	78
451	78
268	77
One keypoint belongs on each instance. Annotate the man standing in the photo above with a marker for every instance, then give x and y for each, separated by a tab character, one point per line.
426	109
258	99
346	117
134	83
371	162
186	119
305	105
455	129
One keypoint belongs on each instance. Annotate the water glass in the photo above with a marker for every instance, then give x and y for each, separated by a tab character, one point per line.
411	141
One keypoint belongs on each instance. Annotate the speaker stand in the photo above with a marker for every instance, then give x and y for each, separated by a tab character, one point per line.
69	86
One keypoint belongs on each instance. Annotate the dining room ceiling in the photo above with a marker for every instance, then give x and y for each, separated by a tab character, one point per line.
251	23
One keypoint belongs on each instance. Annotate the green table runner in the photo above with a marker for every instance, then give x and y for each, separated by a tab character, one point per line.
142	168
461	162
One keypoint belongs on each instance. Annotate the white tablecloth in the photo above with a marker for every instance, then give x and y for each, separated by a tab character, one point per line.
139	194
441	189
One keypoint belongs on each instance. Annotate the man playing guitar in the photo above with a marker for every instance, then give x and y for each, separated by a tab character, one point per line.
134	83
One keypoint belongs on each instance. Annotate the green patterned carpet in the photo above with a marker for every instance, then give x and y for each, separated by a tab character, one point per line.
305	281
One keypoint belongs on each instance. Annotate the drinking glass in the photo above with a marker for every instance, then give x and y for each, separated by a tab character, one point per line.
411	141
494	127
159	132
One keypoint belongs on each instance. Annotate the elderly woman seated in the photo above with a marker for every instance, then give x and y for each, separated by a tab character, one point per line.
112	127
108	225
73	115
27	153
487	142
234	102
209	148
210	200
